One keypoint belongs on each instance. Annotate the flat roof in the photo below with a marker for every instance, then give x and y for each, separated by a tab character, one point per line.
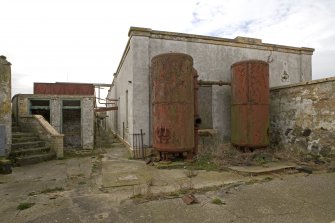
239	41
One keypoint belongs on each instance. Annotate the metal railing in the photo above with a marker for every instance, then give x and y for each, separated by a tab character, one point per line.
138	146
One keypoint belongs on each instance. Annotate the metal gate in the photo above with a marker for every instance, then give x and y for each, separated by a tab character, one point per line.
138	146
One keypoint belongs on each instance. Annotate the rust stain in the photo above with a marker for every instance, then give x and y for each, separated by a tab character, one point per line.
173	102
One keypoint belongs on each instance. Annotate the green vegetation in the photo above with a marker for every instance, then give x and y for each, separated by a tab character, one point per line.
217	201
24	206
260	159
51	190
266	179
204	163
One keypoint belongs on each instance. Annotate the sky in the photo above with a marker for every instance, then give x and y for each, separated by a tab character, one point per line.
83	40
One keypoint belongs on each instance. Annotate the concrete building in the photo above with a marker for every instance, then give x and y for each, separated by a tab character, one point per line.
212	57
70	113
5	107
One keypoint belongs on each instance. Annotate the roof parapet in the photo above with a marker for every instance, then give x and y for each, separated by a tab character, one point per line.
248	40
239	41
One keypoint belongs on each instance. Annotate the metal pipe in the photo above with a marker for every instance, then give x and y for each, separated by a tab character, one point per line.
220	83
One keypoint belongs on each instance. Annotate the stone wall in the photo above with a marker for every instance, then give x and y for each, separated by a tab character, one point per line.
5	107
303	117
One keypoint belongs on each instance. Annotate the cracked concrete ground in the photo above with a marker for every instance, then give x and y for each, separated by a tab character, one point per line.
112	188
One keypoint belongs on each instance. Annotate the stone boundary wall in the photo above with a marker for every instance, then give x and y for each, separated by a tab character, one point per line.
302	117
45	131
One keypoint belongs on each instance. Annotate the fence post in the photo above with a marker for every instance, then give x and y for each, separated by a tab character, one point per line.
122	130
142	148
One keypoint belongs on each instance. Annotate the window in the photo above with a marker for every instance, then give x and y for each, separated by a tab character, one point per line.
40	107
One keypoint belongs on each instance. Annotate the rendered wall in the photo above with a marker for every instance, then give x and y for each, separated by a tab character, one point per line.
5	107
122	83
303	117
87	126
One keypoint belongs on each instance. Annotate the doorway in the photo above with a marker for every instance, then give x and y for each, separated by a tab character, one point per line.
71	123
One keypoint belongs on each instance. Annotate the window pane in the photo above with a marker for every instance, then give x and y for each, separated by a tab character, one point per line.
40	102
71	103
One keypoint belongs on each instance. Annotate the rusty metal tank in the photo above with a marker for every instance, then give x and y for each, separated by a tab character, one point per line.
250	104
173	102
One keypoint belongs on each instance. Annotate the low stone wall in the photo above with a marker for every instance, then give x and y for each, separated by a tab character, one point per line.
45	131
302	117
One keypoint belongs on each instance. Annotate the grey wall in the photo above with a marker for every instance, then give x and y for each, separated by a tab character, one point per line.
5	107
205	108
302	117
124	82
212	61
87	123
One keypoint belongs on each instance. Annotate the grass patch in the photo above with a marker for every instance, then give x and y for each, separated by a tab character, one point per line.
204	163
260	159
51	190
24	206
267	179
217	201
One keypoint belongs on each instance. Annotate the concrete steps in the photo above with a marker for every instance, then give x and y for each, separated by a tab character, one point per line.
27	148
36	158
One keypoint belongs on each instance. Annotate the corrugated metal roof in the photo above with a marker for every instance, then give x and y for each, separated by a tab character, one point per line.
64	88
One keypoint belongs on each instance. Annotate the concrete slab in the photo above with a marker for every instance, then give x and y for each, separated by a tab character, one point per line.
268	167
84	198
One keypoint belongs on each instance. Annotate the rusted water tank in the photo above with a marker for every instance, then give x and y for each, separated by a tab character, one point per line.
250	104
173	102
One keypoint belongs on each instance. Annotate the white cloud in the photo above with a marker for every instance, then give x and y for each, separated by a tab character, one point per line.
83	40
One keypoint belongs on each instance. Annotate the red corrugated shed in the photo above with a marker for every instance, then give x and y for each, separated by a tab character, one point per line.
64	88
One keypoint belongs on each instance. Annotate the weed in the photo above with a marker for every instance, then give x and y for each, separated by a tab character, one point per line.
266	179
25	205
33	193
217	201
191	173
82	183
51	190
205	163
260	159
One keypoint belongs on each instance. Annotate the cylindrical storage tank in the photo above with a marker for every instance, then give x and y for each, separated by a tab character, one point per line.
250	104
173	102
